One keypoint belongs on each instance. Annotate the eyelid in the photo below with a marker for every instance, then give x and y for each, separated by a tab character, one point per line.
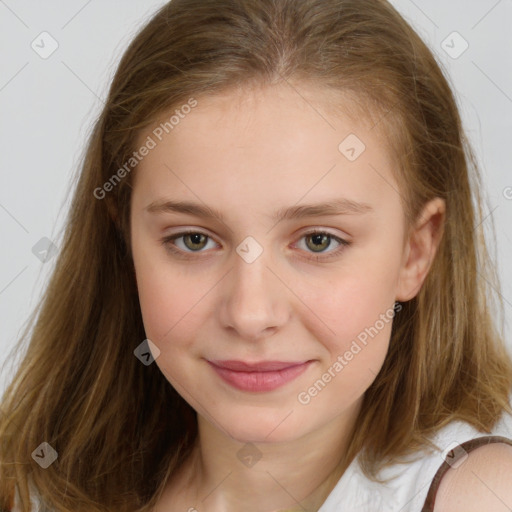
323	256
167	240
342	235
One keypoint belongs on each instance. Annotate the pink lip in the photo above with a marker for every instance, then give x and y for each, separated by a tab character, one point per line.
263	376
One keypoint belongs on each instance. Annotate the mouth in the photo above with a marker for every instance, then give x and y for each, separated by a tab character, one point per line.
258	377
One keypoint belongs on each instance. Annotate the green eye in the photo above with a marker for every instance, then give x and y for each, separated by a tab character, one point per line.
194	241
319	241
197	241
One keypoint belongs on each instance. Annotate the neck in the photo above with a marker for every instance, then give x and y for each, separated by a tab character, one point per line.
289	475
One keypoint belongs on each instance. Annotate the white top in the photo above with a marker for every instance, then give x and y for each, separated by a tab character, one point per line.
406	493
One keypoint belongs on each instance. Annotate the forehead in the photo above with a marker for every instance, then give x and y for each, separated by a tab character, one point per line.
278	142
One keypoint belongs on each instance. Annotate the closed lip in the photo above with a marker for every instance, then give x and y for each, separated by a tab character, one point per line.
262	366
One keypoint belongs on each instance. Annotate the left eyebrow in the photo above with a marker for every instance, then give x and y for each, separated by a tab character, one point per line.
334	207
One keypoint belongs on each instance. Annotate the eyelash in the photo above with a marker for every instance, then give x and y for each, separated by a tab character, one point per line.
167	243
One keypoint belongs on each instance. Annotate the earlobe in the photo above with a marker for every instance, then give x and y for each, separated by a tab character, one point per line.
420	249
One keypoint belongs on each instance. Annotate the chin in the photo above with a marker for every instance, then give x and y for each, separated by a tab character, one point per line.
269	428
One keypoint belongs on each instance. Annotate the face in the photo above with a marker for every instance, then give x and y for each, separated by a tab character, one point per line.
250	286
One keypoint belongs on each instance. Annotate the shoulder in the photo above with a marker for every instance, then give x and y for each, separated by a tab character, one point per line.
481	482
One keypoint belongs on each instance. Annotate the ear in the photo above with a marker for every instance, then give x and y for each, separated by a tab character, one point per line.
420	248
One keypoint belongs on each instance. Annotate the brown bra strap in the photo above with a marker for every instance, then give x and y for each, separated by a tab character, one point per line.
454	455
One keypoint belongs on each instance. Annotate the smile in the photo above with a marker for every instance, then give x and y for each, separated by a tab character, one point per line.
259	380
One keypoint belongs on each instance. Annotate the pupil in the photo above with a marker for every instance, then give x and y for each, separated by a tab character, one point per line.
319	238
195	239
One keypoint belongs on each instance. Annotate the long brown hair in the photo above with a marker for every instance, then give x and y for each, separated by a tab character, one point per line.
119	428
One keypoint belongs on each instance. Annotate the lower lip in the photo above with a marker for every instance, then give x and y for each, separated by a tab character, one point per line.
260	381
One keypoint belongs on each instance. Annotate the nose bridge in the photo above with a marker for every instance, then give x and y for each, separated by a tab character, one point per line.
254	303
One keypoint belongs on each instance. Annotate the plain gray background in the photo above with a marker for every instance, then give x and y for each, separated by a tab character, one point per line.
48	105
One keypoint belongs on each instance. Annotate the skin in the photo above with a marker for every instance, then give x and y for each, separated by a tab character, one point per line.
249	153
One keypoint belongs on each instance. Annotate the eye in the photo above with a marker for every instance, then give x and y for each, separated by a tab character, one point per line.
191	241
317	241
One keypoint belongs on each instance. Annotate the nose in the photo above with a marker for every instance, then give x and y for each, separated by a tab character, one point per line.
254	300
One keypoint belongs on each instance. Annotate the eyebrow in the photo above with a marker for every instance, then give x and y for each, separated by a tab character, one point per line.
338	206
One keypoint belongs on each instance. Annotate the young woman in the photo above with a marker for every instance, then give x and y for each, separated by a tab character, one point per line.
273	291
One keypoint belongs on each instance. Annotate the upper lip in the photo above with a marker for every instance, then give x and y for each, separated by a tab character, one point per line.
262	366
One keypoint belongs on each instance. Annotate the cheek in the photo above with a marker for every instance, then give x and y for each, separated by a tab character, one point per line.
169	304
351	301
166	296
171	310
356	319
360	317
